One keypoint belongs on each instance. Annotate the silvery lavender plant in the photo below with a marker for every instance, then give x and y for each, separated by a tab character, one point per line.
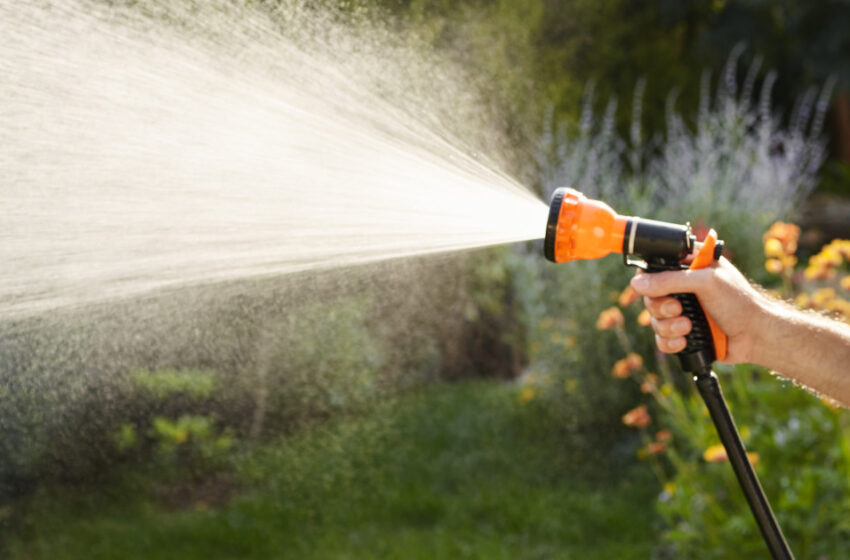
741	166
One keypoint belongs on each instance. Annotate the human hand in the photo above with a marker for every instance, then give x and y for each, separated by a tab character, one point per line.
724	293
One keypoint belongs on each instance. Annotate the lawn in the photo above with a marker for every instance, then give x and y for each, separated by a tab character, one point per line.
456	471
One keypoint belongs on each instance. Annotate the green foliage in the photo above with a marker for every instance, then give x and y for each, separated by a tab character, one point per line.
126	437
163	383
190	443
458	471
803	463
182	446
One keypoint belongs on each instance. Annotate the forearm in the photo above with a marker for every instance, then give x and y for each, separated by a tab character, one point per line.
809	348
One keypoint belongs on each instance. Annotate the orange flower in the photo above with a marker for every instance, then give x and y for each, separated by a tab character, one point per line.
611	317
622	368
649	384
786	234
715	454
664	435
753	457
627	297
644	319
635	361
637	417
656	447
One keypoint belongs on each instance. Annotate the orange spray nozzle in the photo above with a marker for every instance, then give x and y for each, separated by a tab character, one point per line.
582	228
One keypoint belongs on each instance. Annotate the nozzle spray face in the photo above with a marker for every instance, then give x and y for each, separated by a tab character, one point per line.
581	228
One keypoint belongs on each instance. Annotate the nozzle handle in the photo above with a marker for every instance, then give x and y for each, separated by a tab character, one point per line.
706	342
703	259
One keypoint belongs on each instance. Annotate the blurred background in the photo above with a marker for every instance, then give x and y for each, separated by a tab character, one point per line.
484	404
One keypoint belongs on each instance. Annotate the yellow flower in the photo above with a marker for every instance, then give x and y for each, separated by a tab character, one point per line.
644	319
527	395
670	488
611	317
773	248
829	256
774	266
803	301
843	247
839	305
715	454
822	296
815	272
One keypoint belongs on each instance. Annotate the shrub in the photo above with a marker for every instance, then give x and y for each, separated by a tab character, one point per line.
184	444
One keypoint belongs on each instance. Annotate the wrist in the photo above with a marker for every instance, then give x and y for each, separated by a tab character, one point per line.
769	319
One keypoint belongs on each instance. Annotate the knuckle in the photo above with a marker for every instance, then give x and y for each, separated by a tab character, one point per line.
665	328
670	345
654	306
662	344
663	307
672	328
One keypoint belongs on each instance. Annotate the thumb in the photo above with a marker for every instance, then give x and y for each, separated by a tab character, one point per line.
670	282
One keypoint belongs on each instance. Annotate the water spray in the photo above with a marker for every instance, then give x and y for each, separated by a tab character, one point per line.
582	228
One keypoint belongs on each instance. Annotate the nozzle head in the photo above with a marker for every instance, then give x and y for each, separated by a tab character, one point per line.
581	228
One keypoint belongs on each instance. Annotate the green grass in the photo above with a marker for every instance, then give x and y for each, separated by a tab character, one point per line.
459	471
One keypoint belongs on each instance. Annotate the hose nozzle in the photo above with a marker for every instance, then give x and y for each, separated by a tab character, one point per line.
582	228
